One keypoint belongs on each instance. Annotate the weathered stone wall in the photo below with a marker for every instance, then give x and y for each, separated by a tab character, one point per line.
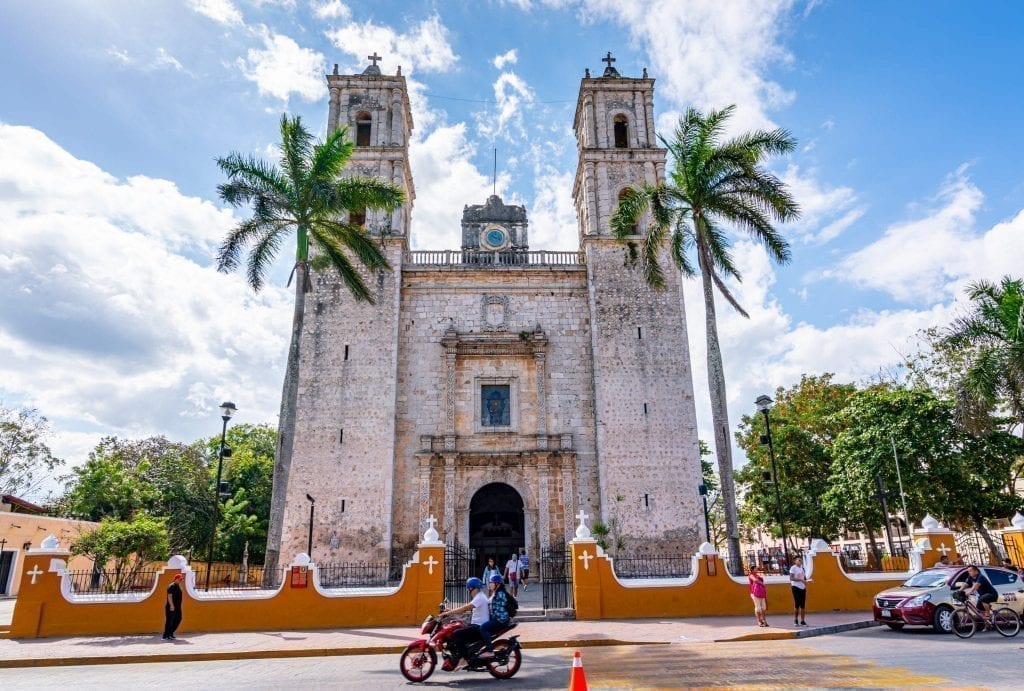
435	300
345	427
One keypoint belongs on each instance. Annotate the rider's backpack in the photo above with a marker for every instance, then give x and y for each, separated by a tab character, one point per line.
511	605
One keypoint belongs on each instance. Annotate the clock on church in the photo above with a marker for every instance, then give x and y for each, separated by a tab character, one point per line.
494	238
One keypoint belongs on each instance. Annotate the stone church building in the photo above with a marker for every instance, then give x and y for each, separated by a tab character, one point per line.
498	388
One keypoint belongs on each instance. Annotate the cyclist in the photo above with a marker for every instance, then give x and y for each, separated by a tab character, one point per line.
976	582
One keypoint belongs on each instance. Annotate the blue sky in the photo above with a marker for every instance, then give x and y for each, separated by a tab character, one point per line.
113	320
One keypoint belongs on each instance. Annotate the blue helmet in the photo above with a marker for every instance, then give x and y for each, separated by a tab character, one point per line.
496	578
474	582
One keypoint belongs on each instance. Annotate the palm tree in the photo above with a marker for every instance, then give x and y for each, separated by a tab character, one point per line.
992	339
712	183
306	195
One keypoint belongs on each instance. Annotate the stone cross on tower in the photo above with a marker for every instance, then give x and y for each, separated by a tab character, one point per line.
374	58
610	71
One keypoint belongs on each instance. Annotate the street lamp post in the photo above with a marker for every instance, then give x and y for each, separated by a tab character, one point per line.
309	545
703	489
763	404
227	409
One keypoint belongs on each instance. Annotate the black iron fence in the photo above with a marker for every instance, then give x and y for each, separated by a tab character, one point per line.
362	574
653	567
459	565
555	571
234	577
109	581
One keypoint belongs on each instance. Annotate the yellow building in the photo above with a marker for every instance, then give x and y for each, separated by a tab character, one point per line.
24	525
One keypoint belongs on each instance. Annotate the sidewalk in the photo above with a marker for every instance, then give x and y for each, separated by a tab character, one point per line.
278	644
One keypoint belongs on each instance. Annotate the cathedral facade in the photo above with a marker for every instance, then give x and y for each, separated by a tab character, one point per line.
498	388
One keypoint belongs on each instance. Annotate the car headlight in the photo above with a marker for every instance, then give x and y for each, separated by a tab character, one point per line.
917	601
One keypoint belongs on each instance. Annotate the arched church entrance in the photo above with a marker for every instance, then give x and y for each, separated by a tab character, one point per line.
496	523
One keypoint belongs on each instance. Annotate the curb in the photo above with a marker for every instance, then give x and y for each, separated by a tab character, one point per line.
804	633
274	654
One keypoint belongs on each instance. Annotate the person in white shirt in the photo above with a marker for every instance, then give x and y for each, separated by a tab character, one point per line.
798	584
512	573
480	606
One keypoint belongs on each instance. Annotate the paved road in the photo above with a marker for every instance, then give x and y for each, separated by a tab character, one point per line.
873	658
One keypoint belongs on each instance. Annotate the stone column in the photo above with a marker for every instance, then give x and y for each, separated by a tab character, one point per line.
540	361
543	502
591	197
423	503
450	343
333	108
567	472
649	112
450	530
397	118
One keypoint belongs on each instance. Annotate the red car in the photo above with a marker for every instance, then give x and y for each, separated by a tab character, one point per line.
926	598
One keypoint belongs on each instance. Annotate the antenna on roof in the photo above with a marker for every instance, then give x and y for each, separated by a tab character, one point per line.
494	178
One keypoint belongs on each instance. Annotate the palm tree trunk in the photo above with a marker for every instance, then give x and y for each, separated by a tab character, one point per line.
719	412
286	427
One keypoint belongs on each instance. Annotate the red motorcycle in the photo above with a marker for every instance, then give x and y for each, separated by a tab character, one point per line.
419	660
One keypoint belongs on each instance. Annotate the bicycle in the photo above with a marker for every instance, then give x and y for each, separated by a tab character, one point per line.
967	617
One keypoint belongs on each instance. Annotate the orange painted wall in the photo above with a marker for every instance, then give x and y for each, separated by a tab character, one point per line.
598	595
41	611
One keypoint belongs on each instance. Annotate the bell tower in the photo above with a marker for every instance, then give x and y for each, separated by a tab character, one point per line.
646	429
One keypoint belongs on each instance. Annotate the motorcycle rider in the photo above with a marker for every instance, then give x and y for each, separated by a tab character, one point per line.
479	605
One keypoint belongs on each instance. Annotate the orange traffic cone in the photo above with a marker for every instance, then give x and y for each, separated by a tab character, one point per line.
578	680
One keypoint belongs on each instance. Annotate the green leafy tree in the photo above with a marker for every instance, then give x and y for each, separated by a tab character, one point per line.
991	338
127	544
715	511
713	184
804	425
25	459
308	196
167	479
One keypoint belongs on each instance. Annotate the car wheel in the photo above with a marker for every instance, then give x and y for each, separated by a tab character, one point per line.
895	627
942	620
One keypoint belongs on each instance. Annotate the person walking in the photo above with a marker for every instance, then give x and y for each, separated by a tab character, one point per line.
172	608
759	594
524	566
490	570
798	584
512	574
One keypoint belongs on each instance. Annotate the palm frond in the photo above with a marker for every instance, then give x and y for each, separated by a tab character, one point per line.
367	193
353	238
331	246
262	255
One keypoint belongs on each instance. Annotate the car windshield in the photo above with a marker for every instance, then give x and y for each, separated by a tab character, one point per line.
927	579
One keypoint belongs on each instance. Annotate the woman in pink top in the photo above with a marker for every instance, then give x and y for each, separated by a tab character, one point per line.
759	594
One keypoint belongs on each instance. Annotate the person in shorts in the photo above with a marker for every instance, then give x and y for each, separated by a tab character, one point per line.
512	574
524	566
759	594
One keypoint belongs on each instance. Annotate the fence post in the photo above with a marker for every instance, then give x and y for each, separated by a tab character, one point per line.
940	541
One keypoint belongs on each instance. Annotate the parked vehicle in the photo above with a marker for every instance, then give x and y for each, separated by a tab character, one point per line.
419	659
926	598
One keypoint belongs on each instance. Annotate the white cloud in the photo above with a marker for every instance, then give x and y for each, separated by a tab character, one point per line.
931	258
220	11
446	180
513	96
161	59
507	58
424	47
114	316
332	9
284	68
824	212
709	54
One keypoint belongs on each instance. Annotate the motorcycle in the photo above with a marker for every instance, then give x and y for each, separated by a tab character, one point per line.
419	659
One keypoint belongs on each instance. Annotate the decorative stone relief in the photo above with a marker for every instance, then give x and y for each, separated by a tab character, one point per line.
494	313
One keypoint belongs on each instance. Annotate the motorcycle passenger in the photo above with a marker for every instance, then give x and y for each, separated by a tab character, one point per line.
499	612
479	606
976	582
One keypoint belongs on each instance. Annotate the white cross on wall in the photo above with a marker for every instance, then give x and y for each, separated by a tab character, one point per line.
582	516
35	572
432	521
942	548
585	558
430	564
